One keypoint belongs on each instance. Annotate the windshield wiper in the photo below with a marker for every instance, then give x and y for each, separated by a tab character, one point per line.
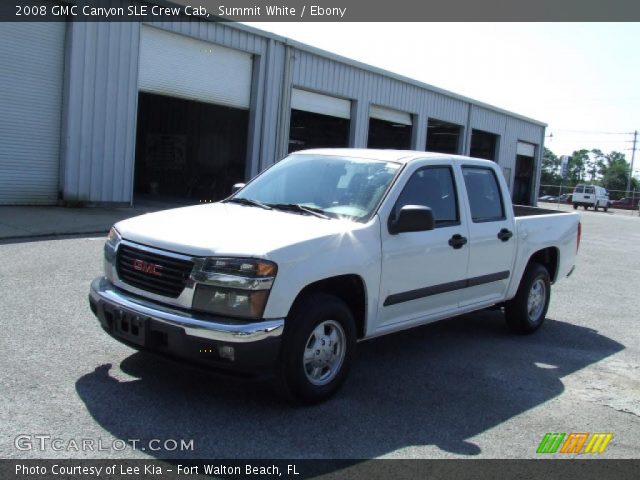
249	202
296	207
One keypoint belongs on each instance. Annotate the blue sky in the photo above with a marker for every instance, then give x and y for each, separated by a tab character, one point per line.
582	79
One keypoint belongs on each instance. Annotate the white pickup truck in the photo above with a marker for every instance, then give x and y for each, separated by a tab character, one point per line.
324	249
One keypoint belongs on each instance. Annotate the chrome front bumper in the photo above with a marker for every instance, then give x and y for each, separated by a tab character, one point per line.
202	327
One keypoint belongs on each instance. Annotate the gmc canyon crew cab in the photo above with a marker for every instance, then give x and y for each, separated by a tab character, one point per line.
324	249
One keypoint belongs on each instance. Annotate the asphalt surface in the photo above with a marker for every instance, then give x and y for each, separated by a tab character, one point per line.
462	388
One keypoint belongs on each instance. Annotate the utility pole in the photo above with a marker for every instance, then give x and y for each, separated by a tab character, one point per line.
633	156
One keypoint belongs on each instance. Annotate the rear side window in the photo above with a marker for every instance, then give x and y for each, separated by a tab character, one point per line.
432	187
579	189
484	195
589	190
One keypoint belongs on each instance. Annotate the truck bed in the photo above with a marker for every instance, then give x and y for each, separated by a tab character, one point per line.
527	211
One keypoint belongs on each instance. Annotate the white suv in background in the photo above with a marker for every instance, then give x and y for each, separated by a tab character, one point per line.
590	196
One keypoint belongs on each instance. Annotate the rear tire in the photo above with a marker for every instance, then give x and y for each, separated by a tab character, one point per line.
525	313
318	348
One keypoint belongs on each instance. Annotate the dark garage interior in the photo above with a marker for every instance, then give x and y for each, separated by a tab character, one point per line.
483	145
314	130
384	134
187	149
522	182
443	137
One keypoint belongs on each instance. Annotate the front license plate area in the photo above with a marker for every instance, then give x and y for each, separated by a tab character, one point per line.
130	326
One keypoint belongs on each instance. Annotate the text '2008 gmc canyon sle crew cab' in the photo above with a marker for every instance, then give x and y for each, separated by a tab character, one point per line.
326	248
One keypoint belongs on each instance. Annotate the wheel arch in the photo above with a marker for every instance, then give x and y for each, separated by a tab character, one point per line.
350	288
549	258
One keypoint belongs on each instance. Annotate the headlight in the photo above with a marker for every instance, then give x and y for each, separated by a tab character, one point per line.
246	267
237	287
230	301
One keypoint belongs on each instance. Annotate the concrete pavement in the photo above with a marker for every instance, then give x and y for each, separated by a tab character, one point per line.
37	221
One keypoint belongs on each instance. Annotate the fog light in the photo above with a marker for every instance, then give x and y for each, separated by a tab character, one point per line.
225	351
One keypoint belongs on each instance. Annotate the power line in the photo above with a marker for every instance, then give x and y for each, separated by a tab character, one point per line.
590	132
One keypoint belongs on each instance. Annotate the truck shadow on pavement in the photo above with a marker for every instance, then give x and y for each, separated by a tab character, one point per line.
439	384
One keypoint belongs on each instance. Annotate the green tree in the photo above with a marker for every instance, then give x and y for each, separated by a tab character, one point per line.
615	172
578	165
549	174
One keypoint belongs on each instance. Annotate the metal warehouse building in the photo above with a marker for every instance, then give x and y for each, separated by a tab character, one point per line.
96	113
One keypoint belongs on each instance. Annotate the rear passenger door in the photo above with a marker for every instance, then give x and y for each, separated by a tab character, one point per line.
491	236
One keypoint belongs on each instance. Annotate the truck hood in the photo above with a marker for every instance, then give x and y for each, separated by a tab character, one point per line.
229	229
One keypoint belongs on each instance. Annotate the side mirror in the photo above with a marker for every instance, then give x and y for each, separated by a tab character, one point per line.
412	218
236	187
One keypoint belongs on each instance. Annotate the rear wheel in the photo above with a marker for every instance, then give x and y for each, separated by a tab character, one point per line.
319	342
525	313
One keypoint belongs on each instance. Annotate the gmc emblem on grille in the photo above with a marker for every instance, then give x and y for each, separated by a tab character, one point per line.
147	267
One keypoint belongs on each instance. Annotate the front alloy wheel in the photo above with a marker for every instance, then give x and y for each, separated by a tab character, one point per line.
318	344
324	353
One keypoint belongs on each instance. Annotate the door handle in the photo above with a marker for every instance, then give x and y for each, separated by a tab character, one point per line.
457	241
505	234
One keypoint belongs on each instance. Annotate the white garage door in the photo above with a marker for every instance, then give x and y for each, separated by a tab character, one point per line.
526	149
183	67
389	115
31	72
322	104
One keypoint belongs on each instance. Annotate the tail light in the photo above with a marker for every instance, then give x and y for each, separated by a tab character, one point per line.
579	235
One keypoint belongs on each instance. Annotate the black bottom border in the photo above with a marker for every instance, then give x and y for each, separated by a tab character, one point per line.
459	469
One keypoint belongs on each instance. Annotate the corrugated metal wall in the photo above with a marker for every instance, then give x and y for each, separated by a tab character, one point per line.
101	91
324	75
99	119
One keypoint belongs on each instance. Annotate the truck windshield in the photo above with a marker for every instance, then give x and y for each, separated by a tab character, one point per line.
331	185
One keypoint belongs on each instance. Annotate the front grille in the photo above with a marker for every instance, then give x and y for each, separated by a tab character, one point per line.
152	272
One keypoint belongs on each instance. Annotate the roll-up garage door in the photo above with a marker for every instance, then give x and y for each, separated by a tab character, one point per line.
183	67
389	115
322	104
526	149
31	72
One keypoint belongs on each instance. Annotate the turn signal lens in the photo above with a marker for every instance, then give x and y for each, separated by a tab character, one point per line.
113	236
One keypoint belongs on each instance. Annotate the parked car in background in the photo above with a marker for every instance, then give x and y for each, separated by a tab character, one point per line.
566	198
548	198
626	203
590	196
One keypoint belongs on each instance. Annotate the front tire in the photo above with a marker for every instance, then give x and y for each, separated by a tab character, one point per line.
526	312
575	206
318	347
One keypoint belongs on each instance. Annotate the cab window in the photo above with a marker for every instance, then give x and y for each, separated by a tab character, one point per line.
432	187
483	193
